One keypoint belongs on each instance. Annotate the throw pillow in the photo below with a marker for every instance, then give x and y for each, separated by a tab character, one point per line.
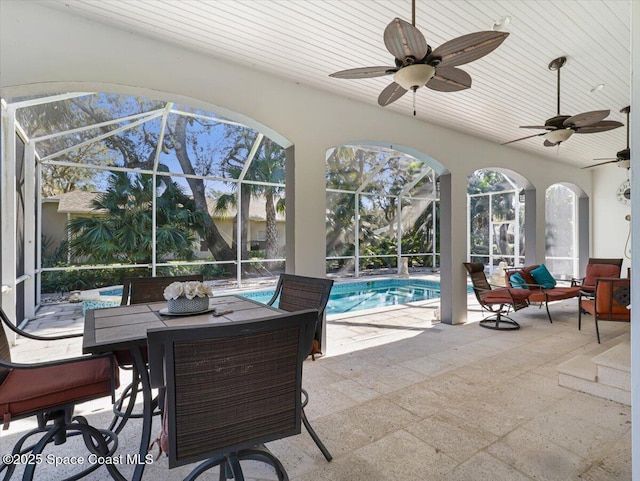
518	281
543	277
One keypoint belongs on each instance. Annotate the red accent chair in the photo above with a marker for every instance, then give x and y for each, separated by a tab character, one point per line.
612	296
50	391
499	302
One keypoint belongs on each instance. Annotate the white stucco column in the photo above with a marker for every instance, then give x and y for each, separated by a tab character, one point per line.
309	190
634	119
453	248
8	202
541	226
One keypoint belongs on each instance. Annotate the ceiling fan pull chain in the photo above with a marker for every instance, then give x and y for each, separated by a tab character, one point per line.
414	100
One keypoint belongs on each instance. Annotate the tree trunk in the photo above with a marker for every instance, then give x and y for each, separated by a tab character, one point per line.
217	245
272	227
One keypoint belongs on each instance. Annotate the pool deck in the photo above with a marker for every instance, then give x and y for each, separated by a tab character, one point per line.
400	396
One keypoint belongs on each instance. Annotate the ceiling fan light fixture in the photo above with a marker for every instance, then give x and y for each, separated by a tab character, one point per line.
624	164
414	76
501	23
557	136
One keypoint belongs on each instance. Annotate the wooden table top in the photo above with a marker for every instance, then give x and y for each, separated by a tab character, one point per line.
123	327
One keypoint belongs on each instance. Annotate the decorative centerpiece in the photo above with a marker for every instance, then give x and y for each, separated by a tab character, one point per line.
187	297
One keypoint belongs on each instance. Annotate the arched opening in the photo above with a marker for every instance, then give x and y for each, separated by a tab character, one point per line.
496	222
382	212
561	231
131	186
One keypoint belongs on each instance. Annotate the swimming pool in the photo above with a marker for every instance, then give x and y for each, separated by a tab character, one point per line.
355	296
345	296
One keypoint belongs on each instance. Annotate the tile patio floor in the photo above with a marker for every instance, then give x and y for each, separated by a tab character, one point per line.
399	397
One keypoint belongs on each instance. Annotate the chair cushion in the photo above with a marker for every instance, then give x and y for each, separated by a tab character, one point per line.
543	277
599	270
555	294
518	281
27	391
506	296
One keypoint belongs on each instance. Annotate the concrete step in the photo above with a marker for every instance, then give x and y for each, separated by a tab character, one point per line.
606	375
614	366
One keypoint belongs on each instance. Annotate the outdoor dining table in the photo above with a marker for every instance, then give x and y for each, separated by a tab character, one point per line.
125	328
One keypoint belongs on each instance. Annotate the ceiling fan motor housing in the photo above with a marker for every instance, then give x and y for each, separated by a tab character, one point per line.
557	121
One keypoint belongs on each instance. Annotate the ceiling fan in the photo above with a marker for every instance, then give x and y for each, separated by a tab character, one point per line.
418	65
561	127
622	158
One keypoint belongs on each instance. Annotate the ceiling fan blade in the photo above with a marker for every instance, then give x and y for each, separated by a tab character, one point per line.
522	138
601	163
598	127
586	118
467	48
546	127
550	144
390	94
364	72
449	79
404	40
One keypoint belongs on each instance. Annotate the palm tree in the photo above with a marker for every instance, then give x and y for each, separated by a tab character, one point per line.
267	166
120	230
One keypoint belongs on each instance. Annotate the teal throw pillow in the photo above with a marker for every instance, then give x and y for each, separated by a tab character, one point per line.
543	277
518	281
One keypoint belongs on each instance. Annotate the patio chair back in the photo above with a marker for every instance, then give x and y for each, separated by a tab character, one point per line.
295	293
612	296
230	387
140	290
481	286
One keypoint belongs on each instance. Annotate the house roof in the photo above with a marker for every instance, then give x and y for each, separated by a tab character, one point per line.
80	202
77	202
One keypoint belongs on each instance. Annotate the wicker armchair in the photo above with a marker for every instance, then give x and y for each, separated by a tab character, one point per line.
499	302
229	389
50	391
139	290
294	293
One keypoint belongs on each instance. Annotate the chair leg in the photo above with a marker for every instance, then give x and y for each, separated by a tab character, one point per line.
310	430
579	317
595	318
97	441
546	304
315	437
493	322
262	454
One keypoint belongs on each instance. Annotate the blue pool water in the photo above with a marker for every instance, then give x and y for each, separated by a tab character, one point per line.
345	297
356	296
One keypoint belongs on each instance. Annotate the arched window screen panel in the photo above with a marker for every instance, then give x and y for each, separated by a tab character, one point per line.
561	231
133	186
381	211
496	220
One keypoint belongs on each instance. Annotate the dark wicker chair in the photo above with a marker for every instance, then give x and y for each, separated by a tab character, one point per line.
294	293
609	303
499	301
229	389
49	391
139	290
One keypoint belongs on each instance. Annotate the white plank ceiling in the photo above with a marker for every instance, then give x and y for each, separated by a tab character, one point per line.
306	40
